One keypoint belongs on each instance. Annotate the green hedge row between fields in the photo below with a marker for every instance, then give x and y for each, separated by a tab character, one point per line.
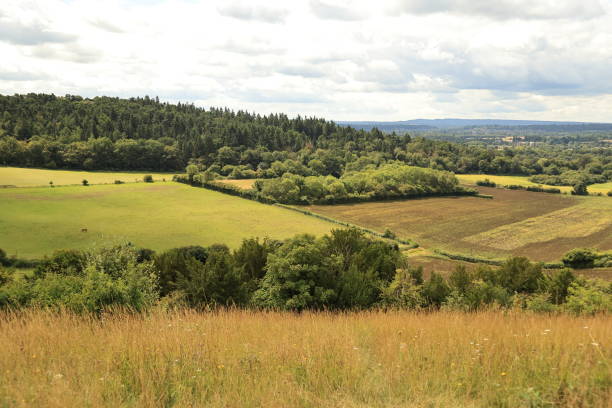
493	262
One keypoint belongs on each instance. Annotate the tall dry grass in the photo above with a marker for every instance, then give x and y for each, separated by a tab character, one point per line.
246	359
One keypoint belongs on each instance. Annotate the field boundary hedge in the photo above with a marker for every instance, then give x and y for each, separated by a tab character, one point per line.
494	262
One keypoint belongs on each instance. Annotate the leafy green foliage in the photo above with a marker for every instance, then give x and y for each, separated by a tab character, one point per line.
589	297
109	278
580	258
341	270
392	180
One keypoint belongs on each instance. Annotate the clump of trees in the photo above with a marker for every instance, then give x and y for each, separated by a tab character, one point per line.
344	270
388	181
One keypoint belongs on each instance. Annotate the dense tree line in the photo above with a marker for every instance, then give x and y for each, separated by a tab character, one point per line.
39	130
341	271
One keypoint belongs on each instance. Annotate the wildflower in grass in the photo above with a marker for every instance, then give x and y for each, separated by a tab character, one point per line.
503	374
220	366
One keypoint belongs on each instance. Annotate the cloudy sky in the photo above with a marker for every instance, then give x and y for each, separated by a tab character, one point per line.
343	60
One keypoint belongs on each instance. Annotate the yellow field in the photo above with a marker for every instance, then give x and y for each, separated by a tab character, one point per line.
508	180
601	188
244	184
20	177
260	359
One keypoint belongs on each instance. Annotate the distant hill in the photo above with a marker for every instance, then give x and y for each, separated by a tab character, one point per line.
432	124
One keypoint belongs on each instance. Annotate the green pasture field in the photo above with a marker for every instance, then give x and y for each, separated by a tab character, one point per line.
537	225
524	181
21	177
36	221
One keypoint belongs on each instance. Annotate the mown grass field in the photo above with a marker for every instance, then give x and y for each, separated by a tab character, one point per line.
538	225
471	179
36	221
266	359
20	177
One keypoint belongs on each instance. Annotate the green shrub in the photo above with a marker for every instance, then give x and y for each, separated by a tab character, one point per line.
213	283
85	182
518	274
580	258
110	277
404	291
540	303
580	188
4	260
147	178
118	182
486	183
435	290
389	234
589	297
558	285
342	270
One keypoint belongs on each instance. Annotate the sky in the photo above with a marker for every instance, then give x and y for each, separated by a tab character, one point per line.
342	60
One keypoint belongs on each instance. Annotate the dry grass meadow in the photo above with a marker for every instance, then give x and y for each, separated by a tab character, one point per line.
254	359
537	225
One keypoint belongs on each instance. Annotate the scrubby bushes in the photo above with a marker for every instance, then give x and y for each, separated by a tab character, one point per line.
88	282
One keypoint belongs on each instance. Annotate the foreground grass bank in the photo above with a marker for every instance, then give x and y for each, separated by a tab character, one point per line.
36	221
247	359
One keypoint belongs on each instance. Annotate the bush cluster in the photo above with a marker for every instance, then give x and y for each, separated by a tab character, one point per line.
343	270
486	183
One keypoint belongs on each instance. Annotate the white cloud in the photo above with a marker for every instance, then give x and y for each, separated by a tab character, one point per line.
348	59
252	11
506	9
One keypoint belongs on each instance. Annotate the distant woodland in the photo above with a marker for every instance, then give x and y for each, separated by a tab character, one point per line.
103	133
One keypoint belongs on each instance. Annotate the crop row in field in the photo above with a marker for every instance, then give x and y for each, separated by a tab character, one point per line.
36	221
